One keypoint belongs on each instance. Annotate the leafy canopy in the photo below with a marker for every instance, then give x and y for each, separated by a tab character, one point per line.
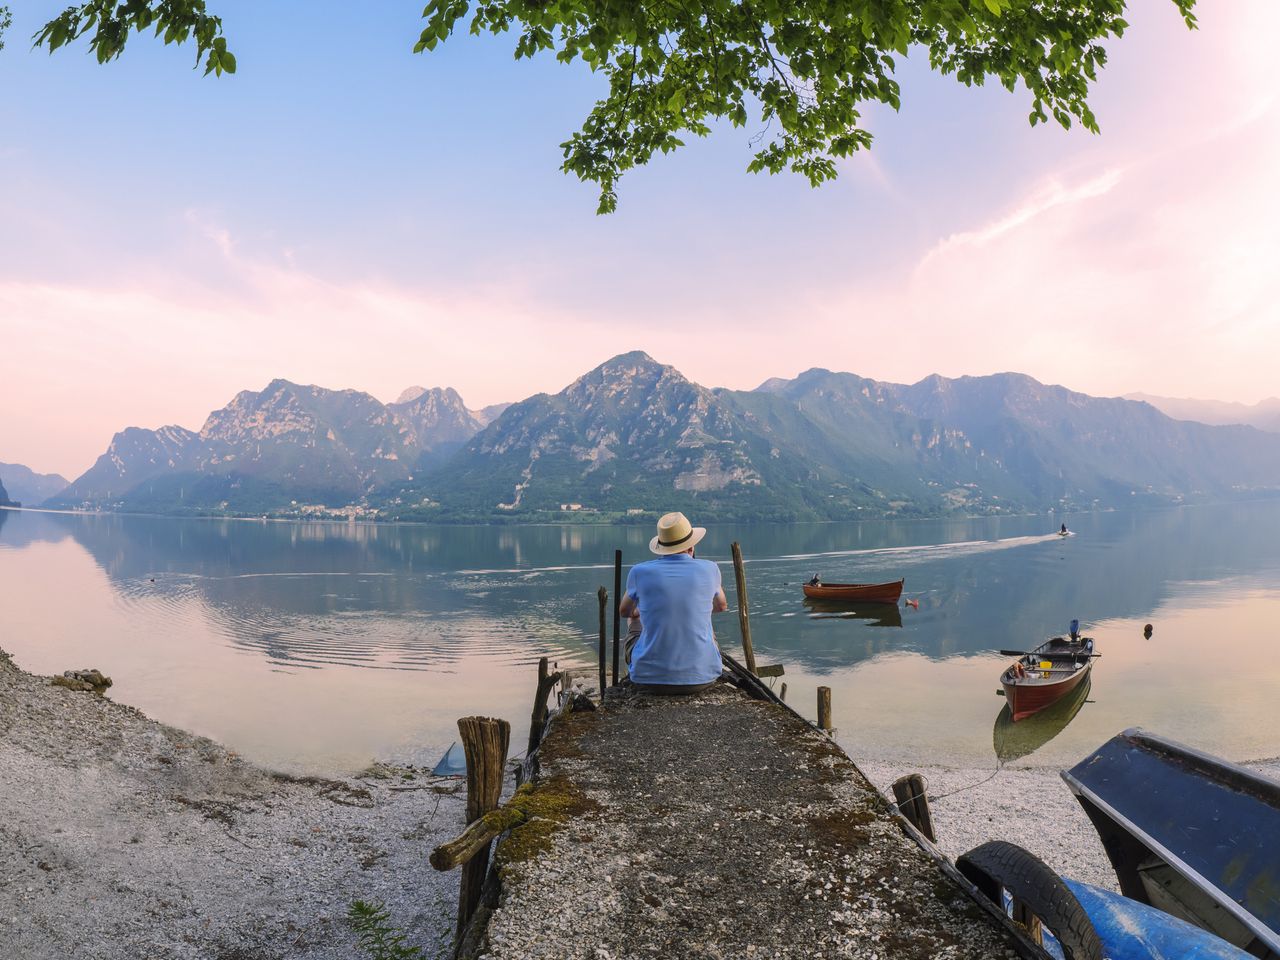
109	22
798	70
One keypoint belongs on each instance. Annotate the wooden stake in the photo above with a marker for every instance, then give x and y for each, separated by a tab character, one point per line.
539	719
485	741
617	609
824	709
782	694
603	594
744	616
909	794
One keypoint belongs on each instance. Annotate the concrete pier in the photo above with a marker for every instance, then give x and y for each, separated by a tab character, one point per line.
717	826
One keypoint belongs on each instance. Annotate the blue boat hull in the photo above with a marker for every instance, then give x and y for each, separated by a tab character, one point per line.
1134	931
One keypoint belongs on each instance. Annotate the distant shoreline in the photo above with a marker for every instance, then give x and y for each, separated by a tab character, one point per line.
574	519
644	521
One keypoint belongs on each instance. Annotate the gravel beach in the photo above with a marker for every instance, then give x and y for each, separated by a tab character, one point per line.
1018	804
124	839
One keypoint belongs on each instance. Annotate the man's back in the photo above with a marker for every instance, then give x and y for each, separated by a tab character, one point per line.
675	595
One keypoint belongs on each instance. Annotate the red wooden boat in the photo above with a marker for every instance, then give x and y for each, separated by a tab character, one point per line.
1046	674
865	592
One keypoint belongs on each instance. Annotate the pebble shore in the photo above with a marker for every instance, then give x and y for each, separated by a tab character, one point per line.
1026	804
124	839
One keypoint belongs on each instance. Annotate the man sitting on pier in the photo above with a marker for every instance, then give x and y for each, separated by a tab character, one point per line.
674	597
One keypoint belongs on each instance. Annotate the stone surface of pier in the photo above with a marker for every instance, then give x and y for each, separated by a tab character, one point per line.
718	826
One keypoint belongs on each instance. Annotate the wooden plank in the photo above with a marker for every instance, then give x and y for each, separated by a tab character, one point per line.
744	616
771	670
603	595
617	609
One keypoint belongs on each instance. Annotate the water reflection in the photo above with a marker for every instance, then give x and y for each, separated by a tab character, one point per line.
1013	741
400	623
874	614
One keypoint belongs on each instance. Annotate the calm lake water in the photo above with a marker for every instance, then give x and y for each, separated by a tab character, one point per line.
318	646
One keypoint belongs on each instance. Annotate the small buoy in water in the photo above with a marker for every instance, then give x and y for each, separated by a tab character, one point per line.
914	603
153	579
1146	631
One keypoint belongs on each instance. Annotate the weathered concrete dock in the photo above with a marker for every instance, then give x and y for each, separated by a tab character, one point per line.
717	826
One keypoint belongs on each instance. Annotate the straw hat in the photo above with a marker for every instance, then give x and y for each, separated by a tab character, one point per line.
675	535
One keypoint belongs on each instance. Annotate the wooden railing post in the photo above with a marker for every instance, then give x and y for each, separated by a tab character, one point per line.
617	609
539	718
603	595
744	616
909	793
824	709
485	741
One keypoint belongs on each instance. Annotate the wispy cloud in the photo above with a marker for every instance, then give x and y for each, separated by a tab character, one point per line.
1049	196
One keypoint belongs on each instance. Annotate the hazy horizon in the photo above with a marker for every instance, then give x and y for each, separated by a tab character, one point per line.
401	220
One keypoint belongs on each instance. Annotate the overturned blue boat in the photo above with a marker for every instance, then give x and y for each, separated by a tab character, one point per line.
1188	833
452	764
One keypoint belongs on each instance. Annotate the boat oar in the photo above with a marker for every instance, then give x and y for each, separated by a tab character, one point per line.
1027	653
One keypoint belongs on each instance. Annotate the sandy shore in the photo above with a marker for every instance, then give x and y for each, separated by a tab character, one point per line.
1026	804
124	839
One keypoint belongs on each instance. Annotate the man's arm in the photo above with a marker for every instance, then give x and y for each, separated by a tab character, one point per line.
627	607
719	603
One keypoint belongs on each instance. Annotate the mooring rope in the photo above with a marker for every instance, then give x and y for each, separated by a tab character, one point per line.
951	793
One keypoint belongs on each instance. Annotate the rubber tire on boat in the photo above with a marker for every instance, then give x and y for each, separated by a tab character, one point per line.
999	864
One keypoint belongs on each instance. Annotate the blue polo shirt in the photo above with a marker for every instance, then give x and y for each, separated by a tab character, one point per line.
676	643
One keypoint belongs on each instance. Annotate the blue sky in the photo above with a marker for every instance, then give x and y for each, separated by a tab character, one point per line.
344	212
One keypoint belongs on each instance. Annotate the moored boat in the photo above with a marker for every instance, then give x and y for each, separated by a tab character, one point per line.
864	592
1046	674
1013	741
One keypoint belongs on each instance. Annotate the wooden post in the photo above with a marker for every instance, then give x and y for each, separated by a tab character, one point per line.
617	609
782	694
824	708
485	741
539	719
744	616
603	594
909	794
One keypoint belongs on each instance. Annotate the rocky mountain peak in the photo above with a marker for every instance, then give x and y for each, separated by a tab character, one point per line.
408	395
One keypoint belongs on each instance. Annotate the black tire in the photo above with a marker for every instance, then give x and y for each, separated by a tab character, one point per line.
998	865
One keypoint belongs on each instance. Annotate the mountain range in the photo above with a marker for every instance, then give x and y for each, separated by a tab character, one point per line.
634	436
27	486
1265	414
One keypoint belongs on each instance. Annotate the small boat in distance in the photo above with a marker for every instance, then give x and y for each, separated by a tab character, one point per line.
1047	674
815	589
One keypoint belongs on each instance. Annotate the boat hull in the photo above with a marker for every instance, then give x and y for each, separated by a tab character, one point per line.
864	592
1033	692
1013	741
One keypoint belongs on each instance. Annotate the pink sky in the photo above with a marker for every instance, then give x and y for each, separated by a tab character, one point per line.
965	243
